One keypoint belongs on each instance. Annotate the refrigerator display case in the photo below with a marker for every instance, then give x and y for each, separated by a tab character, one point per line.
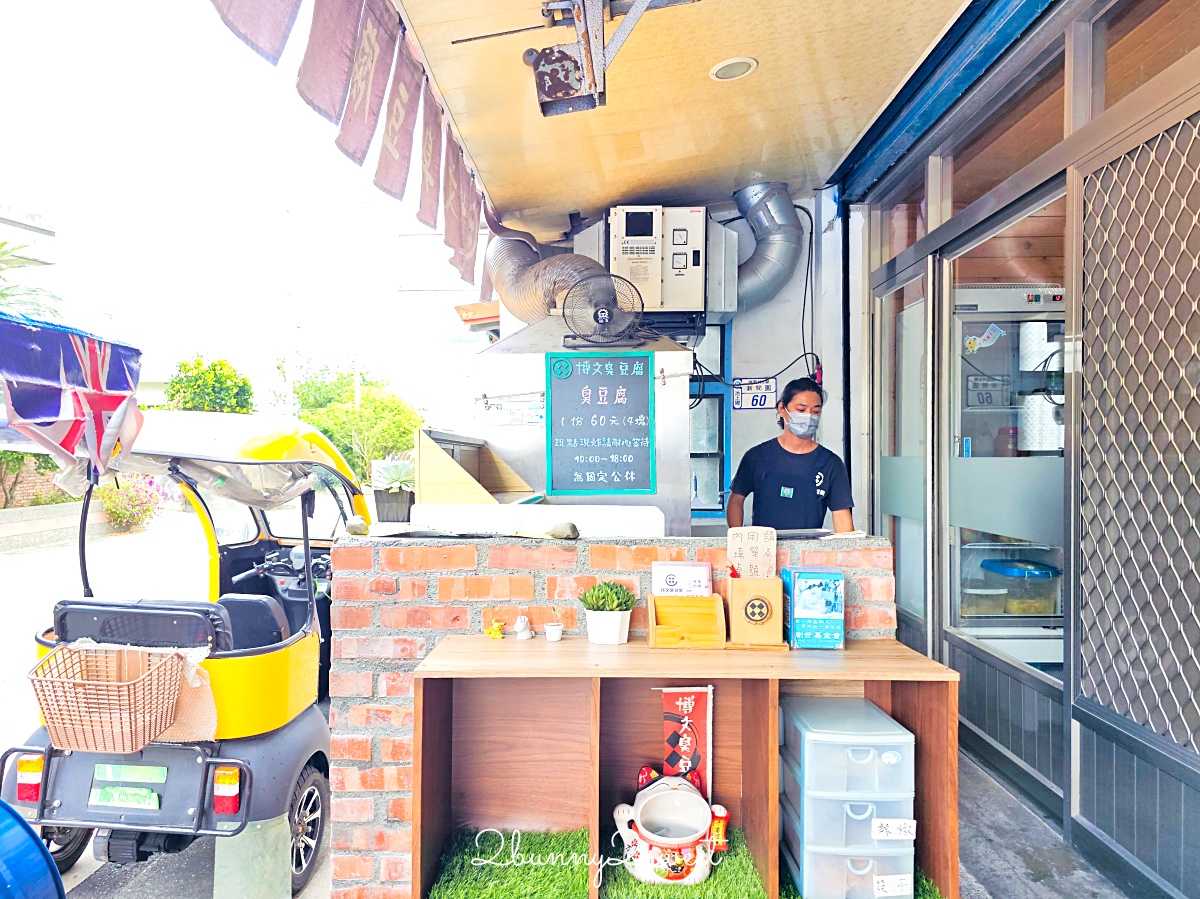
1006	473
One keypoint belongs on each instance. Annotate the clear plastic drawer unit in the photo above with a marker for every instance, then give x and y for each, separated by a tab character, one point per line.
847	746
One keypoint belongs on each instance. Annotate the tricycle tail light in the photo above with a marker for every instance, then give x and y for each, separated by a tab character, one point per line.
227	788
29	778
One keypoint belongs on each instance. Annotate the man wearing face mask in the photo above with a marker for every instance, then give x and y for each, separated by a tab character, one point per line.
794	479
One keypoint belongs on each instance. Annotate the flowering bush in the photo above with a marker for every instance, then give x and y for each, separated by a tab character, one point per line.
129	501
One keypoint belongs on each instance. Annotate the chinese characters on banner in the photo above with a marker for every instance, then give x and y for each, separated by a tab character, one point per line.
600	422
687	732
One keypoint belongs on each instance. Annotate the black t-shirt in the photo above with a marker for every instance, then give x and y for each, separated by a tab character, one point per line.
792	490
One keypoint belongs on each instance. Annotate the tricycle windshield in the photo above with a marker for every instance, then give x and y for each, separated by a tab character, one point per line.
232	521
333	506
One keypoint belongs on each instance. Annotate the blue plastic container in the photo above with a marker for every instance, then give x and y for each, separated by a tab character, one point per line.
26	869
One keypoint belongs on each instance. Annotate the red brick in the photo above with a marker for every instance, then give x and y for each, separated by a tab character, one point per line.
349	589
538	616
346	808
427	558
547	557
377	647
782	558
721	587
868	617
603	557
563	588
639	619
397	867
877	589
399	809
716	556
381	716
384	586
443	618
478	587
849	558
403	891
350	683
353	747
396	683
396	749
353	867
357	780
335	718
372	839
352	558
348	618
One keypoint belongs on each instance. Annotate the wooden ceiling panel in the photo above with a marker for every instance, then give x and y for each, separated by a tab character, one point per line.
669	133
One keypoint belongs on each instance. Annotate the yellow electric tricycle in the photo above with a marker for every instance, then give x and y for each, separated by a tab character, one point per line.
271	495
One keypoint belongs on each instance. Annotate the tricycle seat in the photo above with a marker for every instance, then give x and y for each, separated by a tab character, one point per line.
145	622
258	620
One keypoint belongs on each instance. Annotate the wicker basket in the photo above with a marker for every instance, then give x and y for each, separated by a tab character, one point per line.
106	700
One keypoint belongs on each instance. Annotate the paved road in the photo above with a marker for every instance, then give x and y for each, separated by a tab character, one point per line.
167	560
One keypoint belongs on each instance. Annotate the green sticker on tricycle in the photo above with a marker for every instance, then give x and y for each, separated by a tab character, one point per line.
125	797
138	774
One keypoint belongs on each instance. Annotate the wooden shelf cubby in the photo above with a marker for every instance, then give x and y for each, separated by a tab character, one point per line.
538	736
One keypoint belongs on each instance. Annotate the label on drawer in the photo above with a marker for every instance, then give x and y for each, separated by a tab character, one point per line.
893	885
893	829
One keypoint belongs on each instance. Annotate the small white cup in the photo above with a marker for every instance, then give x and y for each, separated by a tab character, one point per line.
553	631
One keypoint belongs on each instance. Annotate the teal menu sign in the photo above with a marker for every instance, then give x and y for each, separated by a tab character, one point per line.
599	423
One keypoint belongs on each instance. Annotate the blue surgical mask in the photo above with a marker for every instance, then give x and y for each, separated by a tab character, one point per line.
803	424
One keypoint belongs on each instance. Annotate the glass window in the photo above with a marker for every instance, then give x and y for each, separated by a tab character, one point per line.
234	523
904	215
1144	37
1020	131
327	522
1006	475
902	401
707	453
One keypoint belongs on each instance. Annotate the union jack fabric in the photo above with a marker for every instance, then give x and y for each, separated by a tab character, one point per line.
66	388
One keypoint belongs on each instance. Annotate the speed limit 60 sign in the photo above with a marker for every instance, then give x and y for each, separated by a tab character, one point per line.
754	393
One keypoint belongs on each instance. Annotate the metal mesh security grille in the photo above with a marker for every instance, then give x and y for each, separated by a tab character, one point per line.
1140	442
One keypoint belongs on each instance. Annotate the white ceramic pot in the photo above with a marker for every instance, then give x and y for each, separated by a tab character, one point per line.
553	631
607	627
666	833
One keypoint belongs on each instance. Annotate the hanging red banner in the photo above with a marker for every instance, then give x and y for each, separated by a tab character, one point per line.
262	24
373	55
431	159
452	209
324	77
687	733
395	153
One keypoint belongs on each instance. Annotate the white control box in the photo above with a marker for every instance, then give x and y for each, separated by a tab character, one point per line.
635	246
683	264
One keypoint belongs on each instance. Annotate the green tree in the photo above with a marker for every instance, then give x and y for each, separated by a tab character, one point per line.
380	425
31	301
199	386
12	468
318	388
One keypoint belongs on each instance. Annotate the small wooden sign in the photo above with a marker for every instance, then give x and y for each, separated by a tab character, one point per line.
686	622
756	613
752	551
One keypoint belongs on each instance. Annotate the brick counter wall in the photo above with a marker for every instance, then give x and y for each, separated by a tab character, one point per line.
393	599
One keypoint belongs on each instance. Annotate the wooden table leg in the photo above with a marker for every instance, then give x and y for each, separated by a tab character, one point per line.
760	778
594	786
930	710
433	731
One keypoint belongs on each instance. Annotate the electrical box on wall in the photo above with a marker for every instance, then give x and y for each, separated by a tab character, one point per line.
635	248
684	250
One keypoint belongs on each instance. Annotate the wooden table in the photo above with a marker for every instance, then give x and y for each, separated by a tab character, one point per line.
536	736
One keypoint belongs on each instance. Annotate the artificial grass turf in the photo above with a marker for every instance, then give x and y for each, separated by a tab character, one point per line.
460	878
733	877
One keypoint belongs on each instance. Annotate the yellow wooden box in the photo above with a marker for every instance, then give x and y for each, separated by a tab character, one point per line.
686	622
756	613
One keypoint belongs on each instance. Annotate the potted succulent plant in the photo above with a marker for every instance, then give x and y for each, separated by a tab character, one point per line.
608	606
554	628
393	480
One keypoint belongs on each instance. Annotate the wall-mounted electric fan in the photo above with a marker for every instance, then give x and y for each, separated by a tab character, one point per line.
602	309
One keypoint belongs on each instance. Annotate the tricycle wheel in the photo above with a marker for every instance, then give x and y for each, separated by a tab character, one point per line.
306	815
66	845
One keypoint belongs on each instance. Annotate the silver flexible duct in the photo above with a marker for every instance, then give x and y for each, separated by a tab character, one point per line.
528	286
778	238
